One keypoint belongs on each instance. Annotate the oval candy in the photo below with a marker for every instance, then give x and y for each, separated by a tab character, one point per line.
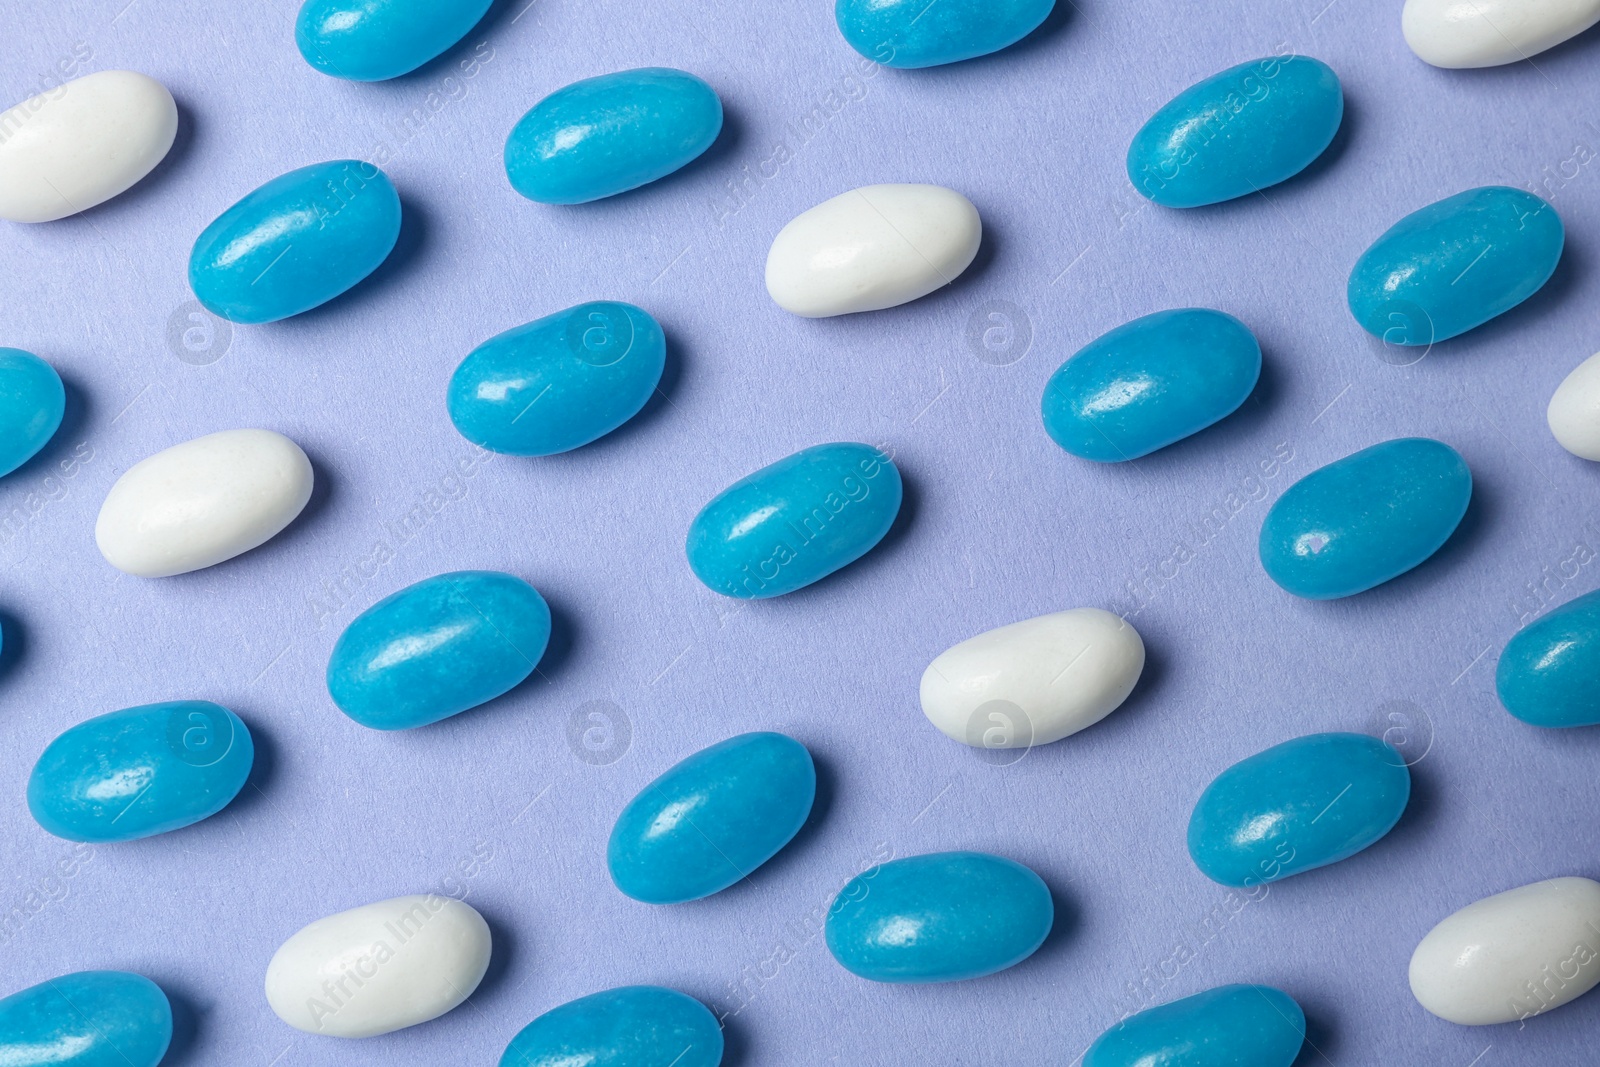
87	1019
437	648
712	818
602	136
296	242
1574	411
1237	132
1364	519
1229	1026
82	143
32	401
201	502
633	1026
140	771
1488	33
939	918
374	40
558	382
872	248
1150	382
1296	806
1549	672
915	33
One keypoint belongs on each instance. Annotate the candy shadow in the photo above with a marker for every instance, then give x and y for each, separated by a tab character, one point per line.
1040	37
324	487
798	850
654	408
256	790
885	549
1322	1039
403	260
1420	816
503	953
187	1020
67	437
1349	128
1237	427
478	34
735	1046
1062	928
13	643
1572	270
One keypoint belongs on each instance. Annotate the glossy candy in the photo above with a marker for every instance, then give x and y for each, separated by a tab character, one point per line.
1549	673
1366	518
633	1026
1454	265
795	521
1297	806
603	136
437	648
712	819
1237	132
915	33
1229	1026
1574	411
558	382
1150	382
372	40
87	1019
939	918
140	771
1488	33
296	242
32	401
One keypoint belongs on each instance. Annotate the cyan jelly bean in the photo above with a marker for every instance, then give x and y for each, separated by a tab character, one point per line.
86	1019
939	918
1297	806
141	771
915	33
795	521
1229	1026
373	40
1455	264
1549	672
1237	132
639	1025
603	136
32	401
1364	519
712	819
437	648
1150	382
296	242
558	382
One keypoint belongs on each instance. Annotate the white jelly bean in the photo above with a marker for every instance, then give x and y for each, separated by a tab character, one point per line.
1574	412
1487	33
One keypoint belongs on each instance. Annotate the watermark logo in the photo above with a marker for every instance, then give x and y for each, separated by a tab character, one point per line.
1406	727
599	733
199	734
196	336
999	732
600	334
1408	332
999	333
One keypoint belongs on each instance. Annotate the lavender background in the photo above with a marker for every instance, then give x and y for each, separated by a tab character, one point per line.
999	525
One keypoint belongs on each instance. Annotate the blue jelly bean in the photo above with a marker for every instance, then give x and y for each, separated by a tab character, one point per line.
1229	1026
141	771
1549	673
558	382
1150	382
712	819
1455	264
32	401
634	1026
939	918
603	136
1366	518
298	241
87	1019
1297	806
795	521
437	648
1237	132
915	33
373	40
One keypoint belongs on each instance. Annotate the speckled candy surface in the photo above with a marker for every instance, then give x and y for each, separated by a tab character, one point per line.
1229	1026
32	401
915	33
86	1019
372	40
632	1026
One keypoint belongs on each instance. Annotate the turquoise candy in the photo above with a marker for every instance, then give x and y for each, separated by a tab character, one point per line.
1150	382
32	402
795	521
634	1026
372	40
1366	518
915	33
1549	673
939	918
1237	132
298	241
603	136
1229	1026
712	819
87	1019
437	648
1297	806
141	771
1455	264
558	382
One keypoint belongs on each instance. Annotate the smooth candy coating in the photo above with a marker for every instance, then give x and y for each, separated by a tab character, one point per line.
1364	519
1549	673
1229	1026
1297	806
939	918
915	33
633	1026
296	242
1150	382
795	521
1488	33
712	819
87	1019
1454	265
437	648
558	382
373	40
380	967
603	136
1511	956
1237	132
82	143
871	248
141	771
1574	411
1034	681
32	401
201	502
